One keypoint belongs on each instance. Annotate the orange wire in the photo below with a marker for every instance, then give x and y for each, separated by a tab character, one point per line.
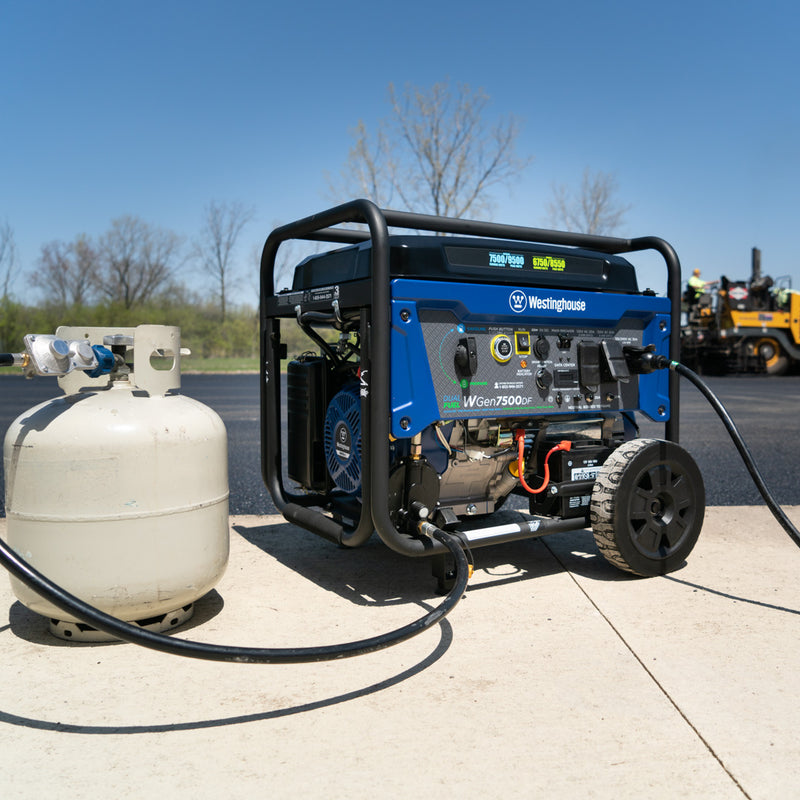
563	445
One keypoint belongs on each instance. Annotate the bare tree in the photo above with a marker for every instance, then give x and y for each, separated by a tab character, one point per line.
136	261
436	152
594	210
370	165
8	258
68	272
216	244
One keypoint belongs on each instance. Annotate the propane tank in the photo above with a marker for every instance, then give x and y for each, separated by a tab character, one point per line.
118	491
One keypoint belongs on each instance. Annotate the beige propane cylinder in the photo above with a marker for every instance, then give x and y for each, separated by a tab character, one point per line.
118	491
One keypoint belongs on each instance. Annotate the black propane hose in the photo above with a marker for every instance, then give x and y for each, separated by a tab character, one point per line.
73	605
663	362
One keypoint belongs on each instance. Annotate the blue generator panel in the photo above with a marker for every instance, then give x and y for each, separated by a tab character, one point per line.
475	350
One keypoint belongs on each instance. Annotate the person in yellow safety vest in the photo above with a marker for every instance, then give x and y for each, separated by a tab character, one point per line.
781	295
697	287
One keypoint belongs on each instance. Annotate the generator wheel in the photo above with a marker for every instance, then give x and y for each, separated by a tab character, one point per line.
647	507
775	360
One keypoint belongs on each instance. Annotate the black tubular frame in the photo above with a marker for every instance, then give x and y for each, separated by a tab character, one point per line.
375	349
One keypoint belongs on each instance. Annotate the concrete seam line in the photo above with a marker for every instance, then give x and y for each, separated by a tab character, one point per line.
649	672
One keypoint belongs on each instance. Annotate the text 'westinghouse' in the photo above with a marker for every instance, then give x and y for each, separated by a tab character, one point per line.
555	304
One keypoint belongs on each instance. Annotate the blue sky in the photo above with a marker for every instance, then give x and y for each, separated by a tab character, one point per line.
157	108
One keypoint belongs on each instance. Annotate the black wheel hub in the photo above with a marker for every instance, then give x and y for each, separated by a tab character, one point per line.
660	511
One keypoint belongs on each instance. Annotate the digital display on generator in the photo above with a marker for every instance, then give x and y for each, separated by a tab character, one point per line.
527	261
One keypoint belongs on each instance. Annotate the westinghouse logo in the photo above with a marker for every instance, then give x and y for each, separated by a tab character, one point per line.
519	301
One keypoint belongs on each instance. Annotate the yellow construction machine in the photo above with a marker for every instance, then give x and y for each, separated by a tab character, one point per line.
742	326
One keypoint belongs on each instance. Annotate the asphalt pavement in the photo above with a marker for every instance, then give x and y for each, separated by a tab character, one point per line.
765	408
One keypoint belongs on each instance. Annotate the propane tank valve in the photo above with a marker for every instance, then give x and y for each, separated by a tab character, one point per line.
47	354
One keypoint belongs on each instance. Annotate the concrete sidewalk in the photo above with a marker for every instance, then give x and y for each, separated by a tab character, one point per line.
557	676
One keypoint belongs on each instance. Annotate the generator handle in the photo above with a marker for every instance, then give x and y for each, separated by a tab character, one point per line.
667	252
293	506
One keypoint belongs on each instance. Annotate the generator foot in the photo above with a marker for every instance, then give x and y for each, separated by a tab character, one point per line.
443	569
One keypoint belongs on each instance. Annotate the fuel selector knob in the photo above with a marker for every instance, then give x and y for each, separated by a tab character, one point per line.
466	357
502	349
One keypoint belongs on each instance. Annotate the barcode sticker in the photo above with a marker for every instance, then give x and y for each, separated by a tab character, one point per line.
585	473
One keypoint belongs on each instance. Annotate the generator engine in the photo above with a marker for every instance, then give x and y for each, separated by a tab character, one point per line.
467	466
462	465
438	376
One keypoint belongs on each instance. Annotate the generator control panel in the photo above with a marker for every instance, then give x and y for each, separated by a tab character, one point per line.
504	352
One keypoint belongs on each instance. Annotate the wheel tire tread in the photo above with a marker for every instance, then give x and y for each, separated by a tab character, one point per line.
604	503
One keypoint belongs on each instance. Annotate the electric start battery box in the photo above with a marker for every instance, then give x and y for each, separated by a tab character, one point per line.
572	473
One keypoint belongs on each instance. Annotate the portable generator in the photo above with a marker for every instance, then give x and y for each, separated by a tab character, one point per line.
442	374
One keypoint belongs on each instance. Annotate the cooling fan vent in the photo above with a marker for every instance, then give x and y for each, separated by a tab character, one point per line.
342	437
